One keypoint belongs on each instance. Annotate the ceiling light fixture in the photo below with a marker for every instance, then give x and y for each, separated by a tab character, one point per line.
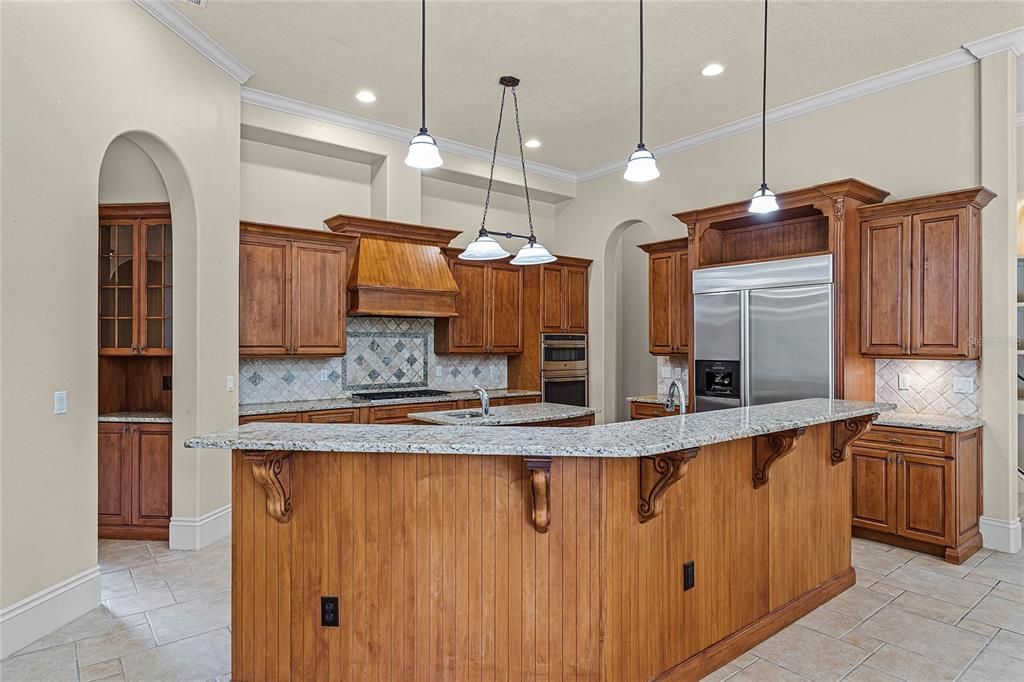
764	199
712	69
366	97
641	166
485	247
423	151
532	143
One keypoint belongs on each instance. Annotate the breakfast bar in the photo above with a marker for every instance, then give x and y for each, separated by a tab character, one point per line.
654	549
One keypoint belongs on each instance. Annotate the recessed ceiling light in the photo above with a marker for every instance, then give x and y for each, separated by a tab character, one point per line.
532	143
712	69
366	96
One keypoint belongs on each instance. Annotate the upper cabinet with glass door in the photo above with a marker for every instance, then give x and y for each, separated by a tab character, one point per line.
135	279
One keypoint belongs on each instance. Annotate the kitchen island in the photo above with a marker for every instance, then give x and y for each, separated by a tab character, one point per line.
533	414
660	548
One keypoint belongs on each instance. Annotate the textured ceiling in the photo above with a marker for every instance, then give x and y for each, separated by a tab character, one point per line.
578	59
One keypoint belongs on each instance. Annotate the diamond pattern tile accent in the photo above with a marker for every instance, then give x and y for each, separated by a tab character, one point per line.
671	368
931	386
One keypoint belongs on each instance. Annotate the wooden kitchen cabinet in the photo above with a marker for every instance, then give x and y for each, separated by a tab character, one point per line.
639	410
134	480
489	307
563	296
921	276
919	489
670	300
135	280
292	294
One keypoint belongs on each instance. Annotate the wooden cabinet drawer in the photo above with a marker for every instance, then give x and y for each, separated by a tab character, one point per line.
650	411
918	440
396	414
282	418
572	423
332	417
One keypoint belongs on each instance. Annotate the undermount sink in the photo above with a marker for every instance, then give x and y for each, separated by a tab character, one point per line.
465	415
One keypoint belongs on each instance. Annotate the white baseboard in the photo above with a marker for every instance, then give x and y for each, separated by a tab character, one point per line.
198	532
1001	535
40	614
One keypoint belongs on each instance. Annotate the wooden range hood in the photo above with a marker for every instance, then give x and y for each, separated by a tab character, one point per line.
399	269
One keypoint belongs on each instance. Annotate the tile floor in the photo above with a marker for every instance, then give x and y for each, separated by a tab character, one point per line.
165	617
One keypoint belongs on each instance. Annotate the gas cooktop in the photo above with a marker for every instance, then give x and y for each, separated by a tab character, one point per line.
392	395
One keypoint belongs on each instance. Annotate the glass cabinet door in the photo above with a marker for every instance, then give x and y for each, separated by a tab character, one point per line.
155	318
117	332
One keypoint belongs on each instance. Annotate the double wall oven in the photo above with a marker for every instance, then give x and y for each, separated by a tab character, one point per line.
563	369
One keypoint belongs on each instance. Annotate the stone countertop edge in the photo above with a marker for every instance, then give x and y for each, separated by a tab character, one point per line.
641	438
506	415
141	417
931	422
651	398
346	402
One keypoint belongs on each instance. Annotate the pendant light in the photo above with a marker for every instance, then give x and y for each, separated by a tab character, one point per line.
764	198
485	247
641	166
423	152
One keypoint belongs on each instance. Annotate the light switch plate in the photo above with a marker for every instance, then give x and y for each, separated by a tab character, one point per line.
60	402
904	382
963	385
230	384
325	375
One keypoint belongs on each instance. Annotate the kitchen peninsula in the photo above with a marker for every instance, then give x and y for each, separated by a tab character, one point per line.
659	548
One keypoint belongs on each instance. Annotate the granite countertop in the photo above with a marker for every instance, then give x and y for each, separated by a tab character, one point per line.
147	417
653	399
640	438
933	422
345	402
506	415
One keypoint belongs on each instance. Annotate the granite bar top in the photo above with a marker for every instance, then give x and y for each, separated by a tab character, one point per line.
652	399
345	402
933	422
141	417
505	415
639	438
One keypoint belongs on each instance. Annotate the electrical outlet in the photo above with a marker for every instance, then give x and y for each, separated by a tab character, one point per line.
325	375
688	576
963	385
903	382
329	616
230	384
166	383
60	402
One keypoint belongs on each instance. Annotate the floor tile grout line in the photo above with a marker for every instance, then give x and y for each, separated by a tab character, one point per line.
967	667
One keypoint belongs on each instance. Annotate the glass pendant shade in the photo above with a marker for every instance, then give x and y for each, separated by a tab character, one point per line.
763	201
641	166
533	254
423	152
483	248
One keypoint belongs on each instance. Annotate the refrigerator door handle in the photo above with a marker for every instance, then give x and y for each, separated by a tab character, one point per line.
745	368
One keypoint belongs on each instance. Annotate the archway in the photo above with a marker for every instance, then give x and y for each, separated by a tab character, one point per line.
626	331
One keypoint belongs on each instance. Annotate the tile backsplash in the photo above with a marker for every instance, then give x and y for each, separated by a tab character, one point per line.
382	353
931	386
671	367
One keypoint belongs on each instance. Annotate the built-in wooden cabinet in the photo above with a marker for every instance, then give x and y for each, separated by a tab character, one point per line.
381	414
919	489
489	308
670	307
134	480
921	276
639	410
563	296
291	291
135	280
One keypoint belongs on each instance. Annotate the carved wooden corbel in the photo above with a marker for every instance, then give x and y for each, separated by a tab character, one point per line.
657	474
769	448
845	432
272	470
540	485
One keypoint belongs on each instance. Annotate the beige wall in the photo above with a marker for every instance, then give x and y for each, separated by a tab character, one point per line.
918	138
129	176
635	366
75	77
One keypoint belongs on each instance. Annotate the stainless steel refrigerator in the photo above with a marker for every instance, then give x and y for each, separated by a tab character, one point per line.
763	332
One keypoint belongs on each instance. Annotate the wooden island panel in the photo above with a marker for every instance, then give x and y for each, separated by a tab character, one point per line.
441	574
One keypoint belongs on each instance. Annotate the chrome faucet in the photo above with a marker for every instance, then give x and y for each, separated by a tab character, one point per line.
485	400
676	387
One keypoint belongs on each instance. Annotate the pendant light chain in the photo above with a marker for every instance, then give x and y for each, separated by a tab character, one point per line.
494	157
764	101
522	160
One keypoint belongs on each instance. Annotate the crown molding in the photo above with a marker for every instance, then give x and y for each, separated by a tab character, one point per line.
1011	40
287	105
178	23
845	93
